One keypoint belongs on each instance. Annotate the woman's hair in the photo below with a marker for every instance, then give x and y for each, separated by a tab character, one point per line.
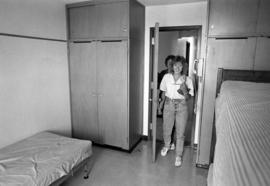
169	57
180	59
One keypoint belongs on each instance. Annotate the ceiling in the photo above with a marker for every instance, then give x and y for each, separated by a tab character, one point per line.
148	2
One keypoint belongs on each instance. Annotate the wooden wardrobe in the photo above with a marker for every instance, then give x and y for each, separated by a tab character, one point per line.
238	38
106	54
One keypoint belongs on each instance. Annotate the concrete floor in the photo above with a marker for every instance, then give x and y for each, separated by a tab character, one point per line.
117	168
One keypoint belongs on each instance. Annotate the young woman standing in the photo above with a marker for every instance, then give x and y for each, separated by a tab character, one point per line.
177	88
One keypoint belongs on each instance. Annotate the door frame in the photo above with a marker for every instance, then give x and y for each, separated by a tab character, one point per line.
151	58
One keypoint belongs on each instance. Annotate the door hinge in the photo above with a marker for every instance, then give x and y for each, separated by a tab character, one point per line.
151	126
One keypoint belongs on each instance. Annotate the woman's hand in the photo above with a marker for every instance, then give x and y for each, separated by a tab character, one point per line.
187	96
183	89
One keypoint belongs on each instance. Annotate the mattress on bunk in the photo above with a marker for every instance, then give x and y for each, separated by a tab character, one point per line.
41	159
242	151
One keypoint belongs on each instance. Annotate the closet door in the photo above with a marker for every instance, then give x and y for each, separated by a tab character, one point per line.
232	17
112	20
83	91
82	22
112	92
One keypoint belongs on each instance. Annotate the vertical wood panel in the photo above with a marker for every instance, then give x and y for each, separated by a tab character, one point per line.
136	20
135	90
154	95
112	92
208	105
136	71
83	91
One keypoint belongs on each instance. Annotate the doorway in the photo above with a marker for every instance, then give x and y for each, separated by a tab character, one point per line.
184	41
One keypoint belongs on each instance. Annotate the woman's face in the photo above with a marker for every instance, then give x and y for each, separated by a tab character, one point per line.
177	67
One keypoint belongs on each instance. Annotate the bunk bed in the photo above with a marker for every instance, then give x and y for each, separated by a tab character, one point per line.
43	159
242	129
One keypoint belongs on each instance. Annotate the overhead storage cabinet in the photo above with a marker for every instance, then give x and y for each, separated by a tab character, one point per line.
239	18
232	17
99	21
106	71
82	22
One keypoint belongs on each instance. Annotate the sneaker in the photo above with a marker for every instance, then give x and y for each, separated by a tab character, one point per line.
172	147
178	161
164	151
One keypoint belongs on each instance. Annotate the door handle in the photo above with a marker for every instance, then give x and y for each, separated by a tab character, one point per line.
198	67
195	66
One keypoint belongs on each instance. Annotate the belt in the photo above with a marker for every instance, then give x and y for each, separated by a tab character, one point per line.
175	100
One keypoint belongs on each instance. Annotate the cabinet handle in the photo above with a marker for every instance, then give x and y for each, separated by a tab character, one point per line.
82	41
110	41
227	38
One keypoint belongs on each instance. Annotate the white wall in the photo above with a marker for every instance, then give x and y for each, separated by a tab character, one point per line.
34	80
181	47
170	15
40	18
167	46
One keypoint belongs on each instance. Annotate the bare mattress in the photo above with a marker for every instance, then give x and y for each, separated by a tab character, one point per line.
41	159
242	151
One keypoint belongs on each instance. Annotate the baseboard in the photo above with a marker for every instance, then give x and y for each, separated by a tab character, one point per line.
110	147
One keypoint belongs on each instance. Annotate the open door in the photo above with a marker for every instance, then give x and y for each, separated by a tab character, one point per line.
200	74
153	96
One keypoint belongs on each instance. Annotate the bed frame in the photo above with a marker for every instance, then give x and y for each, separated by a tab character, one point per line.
241	75
86	164
236	75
